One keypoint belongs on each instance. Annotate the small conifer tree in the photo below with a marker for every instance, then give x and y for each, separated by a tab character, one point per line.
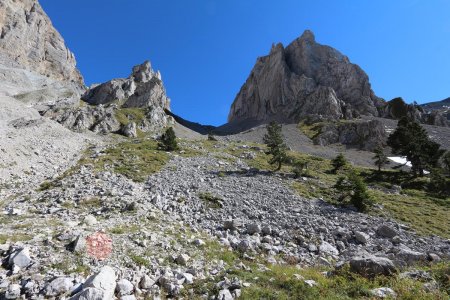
339	162
274	141
380	158
169	140
353	188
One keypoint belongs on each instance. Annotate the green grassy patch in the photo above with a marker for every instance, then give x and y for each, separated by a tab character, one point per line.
311	130
135	159
16	237
127	115
47	185
124	229
211	200
139	260
423	213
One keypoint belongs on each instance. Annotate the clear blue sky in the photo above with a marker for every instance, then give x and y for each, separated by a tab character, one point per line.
205	49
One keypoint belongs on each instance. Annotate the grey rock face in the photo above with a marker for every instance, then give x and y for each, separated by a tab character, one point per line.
142	90
305	78
98	119
29	39
365	134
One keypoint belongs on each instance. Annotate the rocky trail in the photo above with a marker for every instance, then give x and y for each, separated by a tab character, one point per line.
177	227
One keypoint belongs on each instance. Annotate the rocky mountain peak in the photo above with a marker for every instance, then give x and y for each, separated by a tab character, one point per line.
143	91
295	81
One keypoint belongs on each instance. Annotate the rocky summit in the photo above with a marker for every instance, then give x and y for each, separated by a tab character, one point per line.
106	194
304	78
137	102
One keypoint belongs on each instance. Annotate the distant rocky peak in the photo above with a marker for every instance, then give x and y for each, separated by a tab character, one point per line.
304	78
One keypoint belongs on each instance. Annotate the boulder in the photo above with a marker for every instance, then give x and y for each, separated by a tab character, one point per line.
383	292
13	292
124	287
370	266
98	286
59	286
253	228
386	231
20	258
361	237
129	130
224	294
406	256
146	282
328	249
182	259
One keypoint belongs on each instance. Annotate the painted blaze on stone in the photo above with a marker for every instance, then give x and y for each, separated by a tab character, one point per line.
99	245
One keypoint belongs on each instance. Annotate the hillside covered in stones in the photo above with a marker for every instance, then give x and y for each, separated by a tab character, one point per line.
92	206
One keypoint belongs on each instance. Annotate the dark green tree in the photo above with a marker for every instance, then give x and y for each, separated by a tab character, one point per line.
411	141
446	162
275	144
339	162
439	184
299	168
169	140
380	158
211	137
354	190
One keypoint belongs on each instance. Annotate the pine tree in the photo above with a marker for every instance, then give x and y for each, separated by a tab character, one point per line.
446	162
411	141
352	187
380	158
274	141
169	140
339	162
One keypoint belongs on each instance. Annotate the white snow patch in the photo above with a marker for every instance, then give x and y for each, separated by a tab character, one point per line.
403	161
400	160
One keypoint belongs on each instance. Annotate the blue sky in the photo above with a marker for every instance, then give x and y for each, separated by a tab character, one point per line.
205	49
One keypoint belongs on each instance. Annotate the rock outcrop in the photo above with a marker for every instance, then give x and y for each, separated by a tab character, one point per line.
364	134
141	98
36	67
303	79
29	39
397	108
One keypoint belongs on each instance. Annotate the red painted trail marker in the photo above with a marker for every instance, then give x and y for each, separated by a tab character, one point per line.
99	245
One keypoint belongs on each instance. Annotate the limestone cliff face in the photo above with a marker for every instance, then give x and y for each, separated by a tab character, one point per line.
303	79
142	90
29	40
